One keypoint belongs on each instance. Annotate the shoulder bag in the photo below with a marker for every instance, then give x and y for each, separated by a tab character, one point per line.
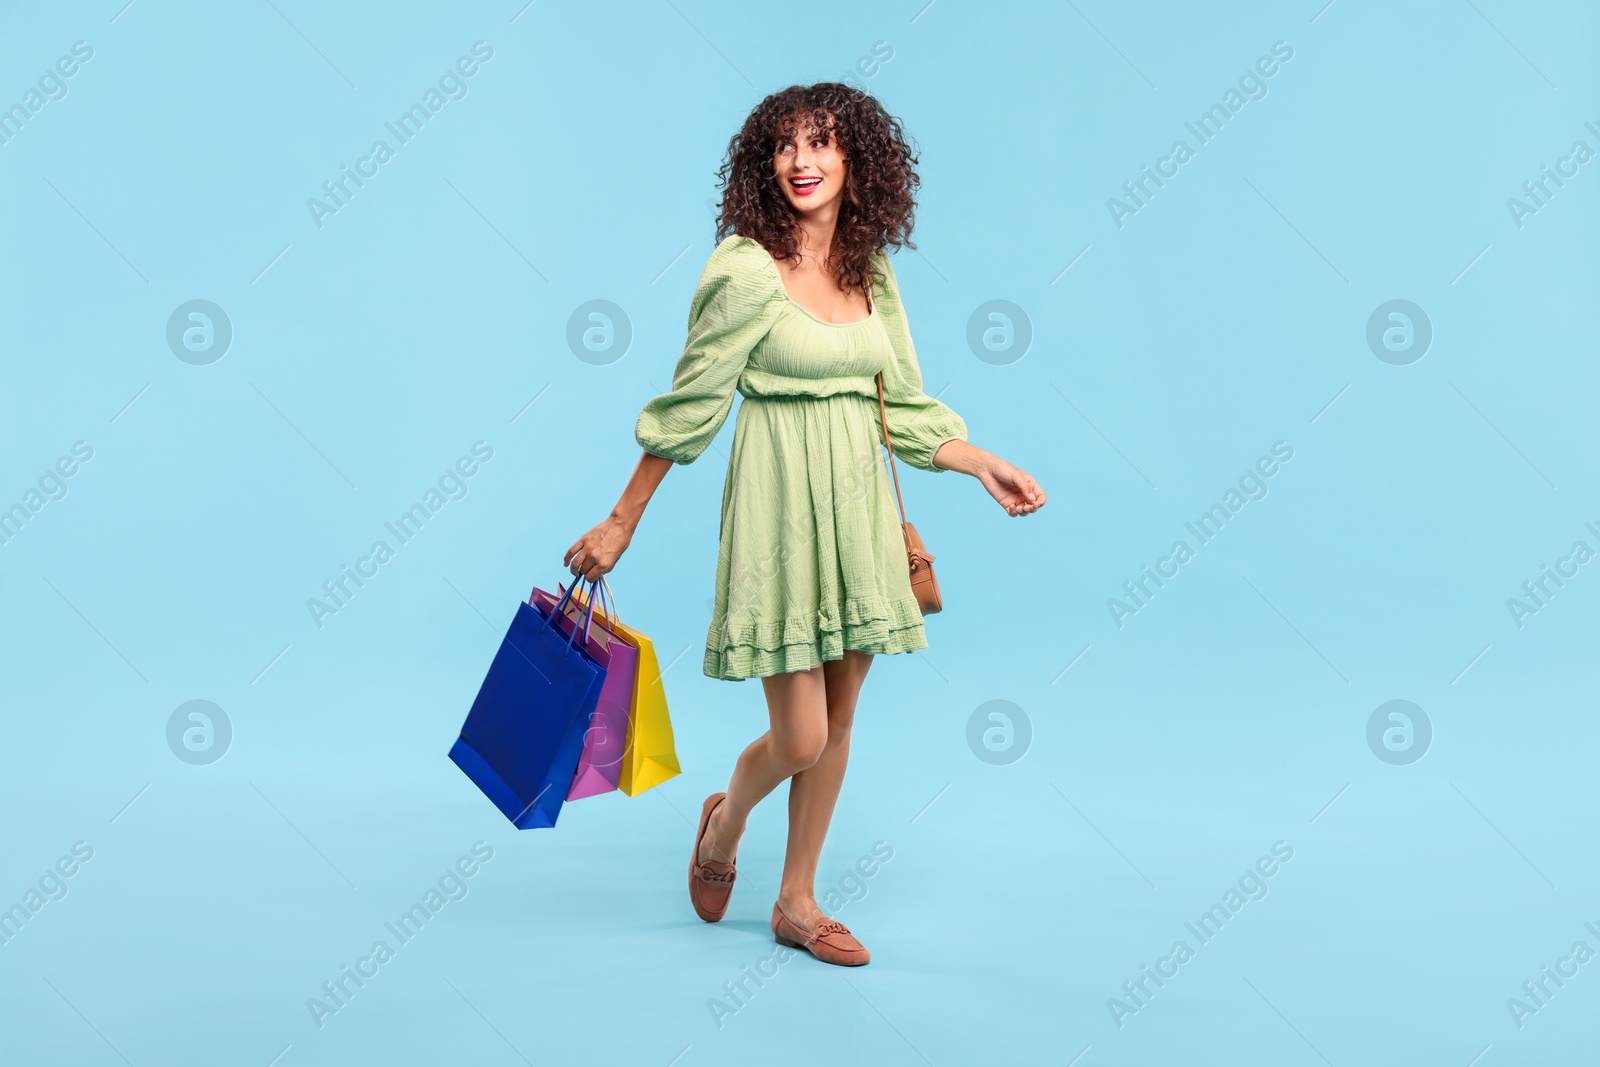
924	586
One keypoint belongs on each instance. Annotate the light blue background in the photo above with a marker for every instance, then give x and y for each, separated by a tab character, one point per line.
1230	713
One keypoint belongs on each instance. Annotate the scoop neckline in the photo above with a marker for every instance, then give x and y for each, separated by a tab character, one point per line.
872	313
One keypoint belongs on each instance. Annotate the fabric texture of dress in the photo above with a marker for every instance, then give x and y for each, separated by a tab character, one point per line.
811	558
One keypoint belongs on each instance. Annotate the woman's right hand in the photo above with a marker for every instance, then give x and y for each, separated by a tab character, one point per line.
597	551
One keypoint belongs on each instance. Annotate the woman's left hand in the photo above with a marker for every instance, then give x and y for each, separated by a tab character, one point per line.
1014	488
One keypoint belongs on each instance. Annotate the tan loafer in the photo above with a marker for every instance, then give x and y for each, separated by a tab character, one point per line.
711	882
829	941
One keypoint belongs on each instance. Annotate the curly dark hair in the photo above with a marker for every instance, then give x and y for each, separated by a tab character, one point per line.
877	205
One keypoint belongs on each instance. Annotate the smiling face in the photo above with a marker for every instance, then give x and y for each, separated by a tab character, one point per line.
810	167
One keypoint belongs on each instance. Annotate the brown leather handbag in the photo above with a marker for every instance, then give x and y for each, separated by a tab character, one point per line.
924	586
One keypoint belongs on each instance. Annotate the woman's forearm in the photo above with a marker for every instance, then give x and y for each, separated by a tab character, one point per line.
641	487
958	455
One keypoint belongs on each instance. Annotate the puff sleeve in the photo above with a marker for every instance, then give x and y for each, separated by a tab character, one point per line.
918	424
731	311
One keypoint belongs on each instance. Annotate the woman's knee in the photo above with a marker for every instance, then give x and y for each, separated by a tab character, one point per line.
841	716
842	697
799	748
797	707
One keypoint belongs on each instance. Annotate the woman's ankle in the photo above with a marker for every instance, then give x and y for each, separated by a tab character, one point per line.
719	843
800	906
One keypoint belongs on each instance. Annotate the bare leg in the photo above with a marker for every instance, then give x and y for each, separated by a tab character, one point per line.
814	791
797	708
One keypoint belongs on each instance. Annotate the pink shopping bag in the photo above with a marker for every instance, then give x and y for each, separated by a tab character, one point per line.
606	739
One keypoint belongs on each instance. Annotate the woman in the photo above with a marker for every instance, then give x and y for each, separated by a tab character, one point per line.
812	578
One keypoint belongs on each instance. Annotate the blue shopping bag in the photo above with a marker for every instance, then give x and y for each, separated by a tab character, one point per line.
522	738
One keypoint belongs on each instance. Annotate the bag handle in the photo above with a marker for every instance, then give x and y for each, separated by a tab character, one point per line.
561	604
883	421
608	608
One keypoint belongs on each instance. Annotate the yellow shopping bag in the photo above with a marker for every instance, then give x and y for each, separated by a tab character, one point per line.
650	756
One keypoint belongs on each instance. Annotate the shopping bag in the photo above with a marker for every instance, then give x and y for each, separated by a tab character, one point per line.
524	733
605	739
650	758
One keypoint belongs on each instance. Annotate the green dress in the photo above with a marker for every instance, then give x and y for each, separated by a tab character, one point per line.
811	559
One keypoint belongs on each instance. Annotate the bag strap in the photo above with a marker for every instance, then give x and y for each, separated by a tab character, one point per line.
566	597
883	419
602	588
610	604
